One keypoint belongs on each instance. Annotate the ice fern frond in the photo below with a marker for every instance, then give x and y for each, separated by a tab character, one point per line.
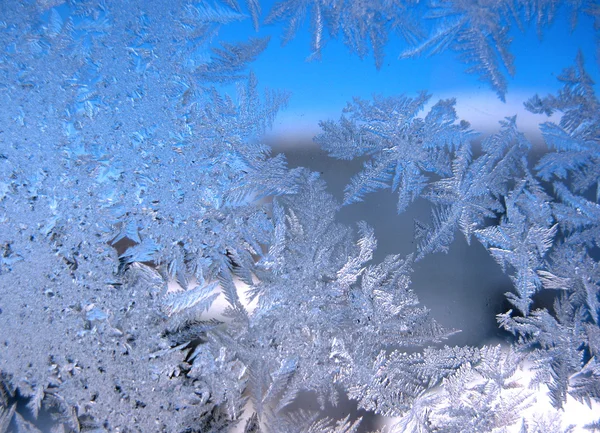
559	339
199	297
438	237
301	421
483	395
376	174
252	5
361	24
461	201
577	100
575	139
238	125
216	13
573	270
354	267
478	32
506	155
230	60
476	189
519	245
317	326
403	147
414	374
568	340
365	125
577	216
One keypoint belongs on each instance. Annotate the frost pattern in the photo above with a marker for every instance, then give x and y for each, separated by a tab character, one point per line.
541	227
403	148
485	395
130	200
477	31
136	194
362	24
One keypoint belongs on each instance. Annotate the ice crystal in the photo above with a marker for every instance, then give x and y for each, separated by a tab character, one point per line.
403	148
137	198
362	24
484	395
478	32
317	326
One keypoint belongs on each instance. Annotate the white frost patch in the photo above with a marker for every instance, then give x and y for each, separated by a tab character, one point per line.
539	411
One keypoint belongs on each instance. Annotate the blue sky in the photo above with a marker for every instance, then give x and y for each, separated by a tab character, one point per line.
320	89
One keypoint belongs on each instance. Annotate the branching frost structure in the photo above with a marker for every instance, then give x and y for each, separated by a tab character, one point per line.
540	225
479	32
402	147
136	196
130	199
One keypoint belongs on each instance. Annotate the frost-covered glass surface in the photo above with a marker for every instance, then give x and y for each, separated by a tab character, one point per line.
175	256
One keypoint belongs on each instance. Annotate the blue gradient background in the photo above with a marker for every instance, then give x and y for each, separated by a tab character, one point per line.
320	89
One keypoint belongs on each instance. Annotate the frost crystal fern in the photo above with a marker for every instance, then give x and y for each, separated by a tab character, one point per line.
137	199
